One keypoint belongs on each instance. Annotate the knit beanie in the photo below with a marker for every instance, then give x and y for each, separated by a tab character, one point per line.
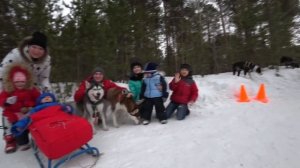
19	77
39	39
150	67
98	69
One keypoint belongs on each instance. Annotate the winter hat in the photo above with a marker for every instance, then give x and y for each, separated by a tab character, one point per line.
39	100
19	77
132	65
98	69
150	67
39	39
188	67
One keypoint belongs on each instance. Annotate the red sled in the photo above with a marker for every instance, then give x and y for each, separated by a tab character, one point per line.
57	134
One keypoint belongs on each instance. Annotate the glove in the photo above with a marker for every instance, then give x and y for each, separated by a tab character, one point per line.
25	110
159	87
68	108
191	103
164	99
11	100
138	102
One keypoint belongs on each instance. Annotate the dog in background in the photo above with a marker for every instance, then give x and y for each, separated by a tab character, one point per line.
288	62
245	66
119	102
93	105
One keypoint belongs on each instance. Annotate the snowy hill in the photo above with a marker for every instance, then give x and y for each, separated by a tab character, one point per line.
219	133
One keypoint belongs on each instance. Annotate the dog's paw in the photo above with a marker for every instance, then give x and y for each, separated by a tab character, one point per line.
137	121
117	126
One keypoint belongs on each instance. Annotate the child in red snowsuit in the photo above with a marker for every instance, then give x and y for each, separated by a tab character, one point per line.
16	99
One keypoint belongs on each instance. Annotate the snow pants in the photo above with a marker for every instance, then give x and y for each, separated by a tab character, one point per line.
147	107
23	139
182	110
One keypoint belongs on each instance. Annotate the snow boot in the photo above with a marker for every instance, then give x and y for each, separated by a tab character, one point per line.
146	122
24	147
163	121
11	144
187	112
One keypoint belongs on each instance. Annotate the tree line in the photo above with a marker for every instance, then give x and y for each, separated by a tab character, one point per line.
208	34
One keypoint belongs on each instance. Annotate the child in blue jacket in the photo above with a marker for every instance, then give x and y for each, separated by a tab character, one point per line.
154	92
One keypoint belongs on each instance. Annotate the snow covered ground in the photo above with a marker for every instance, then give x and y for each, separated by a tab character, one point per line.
219	133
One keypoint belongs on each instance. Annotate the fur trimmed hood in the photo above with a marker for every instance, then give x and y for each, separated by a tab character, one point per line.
23	48
8	85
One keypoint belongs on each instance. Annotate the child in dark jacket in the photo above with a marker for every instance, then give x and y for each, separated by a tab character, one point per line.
154	92
135	80
185	92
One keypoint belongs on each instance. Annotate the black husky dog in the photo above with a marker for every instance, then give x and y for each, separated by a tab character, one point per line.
246	66
288	62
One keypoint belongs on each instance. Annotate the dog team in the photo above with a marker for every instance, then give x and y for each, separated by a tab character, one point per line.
249	67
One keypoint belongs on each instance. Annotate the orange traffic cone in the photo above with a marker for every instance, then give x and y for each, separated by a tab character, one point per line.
261	95
243	97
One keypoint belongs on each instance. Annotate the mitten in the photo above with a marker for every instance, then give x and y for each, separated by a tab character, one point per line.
159	87
165	95
138	102
67	108
11	100
25	110
191	103
164	99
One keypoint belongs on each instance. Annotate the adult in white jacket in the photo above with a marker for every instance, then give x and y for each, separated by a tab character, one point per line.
33	52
